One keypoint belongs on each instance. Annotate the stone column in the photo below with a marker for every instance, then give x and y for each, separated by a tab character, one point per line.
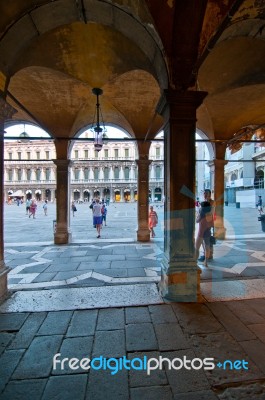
180	279
219	175
143	233
6	112
63	233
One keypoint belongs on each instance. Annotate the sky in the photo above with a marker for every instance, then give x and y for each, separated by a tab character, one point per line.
33	131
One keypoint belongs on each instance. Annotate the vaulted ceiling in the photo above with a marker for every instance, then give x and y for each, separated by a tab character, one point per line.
53	52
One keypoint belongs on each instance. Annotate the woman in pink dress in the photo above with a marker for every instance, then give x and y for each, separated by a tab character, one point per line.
153	220
32	209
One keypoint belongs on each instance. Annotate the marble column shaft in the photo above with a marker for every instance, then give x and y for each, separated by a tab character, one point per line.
180	276
6	113
143	233
219	166
63	233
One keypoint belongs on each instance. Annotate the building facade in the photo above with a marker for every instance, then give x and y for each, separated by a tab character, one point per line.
109	174
243	173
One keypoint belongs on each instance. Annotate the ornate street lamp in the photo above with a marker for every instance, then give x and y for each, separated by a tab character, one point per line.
98	130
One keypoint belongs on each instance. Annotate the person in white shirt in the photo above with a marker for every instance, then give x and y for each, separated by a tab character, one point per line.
97	216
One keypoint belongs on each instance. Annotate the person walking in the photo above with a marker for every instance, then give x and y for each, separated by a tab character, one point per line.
45	207
33	208
204	219
28	204
97	216
259	205
153	220
73	207
104	214
207	197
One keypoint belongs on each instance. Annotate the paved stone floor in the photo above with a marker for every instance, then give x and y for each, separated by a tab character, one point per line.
99	299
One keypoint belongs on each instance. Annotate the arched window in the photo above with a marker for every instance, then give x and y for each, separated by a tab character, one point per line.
158	172
126	172
77	173
259	179
48	174
38	174
96	173
116	173
106	173
233	177
19	174
86	171
28	174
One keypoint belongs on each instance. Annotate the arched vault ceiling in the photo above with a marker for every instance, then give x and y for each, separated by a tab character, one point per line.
92	53
233	63
65	105
234	109
233	75
136	94
57	72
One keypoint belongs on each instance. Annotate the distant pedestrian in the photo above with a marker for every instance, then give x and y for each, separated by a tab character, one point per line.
259	205
73	207
207	197
28	204
204	219
104	211
45	207
97	216
153	220
33	208
91	208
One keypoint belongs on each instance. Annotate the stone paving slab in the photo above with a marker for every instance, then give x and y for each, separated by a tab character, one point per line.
27	332
102	385
246	314
184	380
233	290
54	326
82	298
37	360
67	387
231	323
222	346
152	393
109	344
24	390
109	319
5	339
83	323
115	332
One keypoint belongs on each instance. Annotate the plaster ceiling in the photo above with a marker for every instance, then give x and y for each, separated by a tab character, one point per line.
133	51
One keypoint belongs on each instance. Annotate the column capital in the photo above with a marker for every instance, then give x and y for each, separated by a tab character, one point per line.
184	101
62	164
142	161
6	110
217	163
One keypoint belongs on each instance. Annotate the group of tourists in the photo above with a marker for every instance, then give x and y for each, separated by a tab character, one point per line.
31	207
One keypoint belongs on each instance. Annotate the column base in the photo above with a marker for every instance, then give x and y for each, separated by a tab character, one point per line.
180	281
3	283
62	237
143	235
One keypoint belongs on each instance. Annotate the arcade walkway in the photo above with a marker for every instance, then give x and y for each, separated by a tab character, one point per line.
99	297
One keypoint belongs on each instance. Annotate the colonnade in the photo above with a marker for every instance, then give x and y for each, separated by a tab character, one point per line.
180	274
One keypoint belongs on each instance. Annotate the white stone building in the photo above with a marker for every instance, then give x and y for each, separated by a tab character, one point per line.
110	173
